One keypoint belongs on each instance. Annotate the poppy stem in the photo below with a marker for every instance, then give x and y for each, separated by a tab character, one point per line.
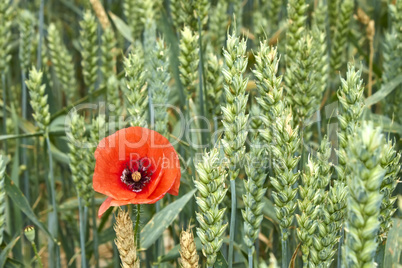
39	260
136	231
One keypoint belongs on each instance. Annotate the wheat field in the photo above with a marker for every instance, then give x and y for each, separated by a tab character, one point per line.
201	133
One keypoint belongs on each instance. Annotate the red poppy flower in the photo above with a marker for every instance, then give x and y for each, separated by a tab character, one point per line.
135	165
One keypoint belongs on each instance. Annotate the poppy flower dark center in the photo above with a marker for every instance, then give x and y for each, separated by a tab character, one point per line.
137	174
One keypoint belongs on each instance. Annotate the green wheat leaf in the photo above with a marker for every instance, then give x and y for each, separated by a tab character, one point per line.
122	27
6	250
155	227
21	202
384	91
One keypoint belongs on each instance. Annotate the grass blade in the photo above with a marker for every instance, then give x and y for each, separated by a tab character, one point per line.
155	227
21	202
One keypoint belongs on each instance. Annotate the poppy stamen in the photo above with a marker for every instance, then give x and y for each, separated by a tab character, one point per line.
137	176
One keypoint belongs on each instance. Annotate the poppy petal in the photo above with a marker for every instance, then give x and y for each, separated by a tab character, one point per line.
120	149
105	206
175	188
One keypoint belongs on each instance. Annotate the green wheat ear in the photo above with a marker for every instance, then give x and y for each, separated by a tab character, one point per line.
26	25
108	54
286	142
90	47
202	8
273	11
113	96
301	78
256	170
266	18
234	110
311	221
392	65
320	16
134	12
310	195
78	157
210	185
235	116
333	16
269	87
179	10
390	163
62	63
38	99
218	25
261	24
329	225
189	59
237	16
350	95
340	34
136	90
186	13
213	84
320	38
6	14
263	116
158	84
364	179
330	213
296	29
96	134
